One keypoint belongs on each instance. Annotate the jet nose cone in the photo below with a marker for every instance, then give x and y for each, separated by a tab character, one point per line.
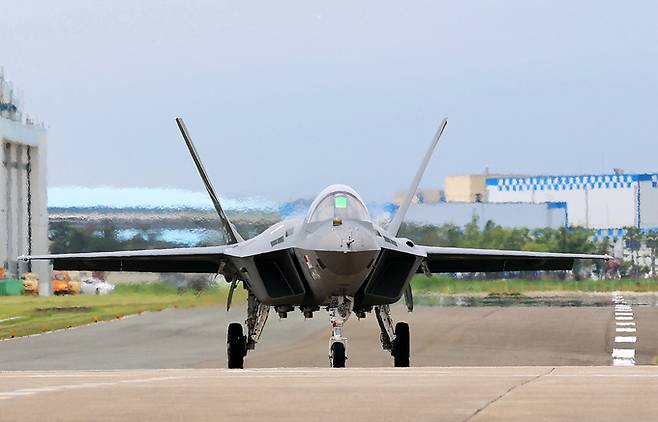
348	236
347	264
354	238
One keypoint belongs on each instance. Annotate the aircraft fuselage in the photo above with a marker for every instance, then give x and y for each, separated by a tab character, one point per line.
313	259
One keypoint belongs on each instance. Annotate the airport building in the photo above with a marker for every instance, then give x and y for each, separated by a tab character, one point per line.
607	203
604	202
469	188
511	215
23	199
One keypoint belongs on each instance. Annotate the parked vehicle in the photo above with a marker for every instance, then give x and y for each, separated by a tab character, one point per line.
95	286
74	287
30	283
61	283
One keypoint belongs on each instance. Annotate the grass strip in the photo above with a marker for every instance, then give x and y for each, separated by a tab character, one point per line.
26	315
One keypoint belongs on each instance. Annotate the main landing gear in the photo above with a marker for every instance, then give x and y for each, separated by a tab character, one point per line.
396	340
237	344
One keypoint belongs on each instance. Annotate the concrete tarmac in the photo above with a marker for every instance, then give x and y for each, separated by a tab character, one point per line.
372	394
488	363
452	336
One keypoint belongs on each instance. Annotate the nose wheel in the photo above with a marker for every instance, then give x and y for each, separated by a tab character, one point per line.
340	309
337	356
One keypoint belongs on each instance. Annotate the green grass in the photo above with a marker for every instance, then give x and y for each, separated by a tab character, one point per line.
125	300
448	285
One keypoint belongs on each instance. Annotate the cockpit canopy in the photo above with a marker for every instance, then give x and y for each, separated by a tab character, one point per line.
340	202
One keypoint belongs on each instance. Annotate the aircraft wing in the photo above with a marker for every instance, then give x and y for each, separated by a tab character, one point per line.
179	260
455	260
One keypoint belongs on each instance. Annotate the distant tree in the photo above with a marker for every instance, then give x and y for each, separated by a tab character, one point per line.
66	237
445	235
633	238
651	240
472	234
603	269
493	236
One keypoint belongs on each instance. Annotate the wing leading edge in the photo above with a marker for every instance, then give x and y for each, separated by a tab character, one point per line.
182	260
453	260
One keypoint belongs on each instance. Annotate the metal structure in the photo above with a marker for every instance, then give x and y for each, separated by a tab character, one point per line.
603	202
336	258
23	203
512	215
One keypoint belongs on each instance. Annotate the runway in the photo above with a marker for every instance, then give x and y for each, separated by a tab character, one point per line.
382	394
482	363
450	336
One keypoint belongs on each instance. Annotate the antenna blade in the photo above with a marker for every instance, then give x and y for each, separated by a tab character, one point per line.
231	235
394	227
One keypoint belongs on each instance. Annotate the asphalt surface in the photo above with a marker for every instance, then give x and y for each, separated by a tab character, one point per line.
482	363
452	336
365	394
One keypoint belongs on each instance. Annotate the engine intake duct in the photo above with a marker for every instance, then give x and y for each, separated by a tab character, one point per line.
392	272
280	274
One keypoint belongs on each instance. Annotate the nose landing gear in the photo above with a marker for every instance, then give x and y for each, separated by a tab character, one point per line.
340	309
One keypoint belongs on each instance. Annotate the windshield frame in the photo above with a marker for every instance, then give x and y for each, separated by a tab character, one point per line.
353	202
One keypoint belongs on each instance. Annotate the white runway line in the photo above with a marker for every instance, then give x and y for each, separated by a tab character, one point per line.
623	362
623	353
5	395
624	324
10	319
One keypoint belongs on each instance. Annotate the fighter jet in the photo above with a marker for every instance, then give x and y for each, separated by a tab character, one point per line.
335	258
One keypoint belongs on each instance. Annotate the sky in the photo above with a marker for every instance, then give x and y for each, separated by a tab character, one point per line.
284	98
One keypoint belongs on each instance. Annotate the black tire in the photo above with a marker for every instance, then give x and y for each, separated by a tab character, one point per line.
401	345
338	357
235	346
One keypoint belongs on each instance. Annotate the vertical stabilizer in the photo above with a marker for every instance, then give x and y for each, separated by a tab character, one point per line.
232	236
394	227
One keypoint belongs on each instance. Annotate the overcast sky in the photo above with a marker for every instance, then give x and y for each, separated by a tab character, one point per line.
285	97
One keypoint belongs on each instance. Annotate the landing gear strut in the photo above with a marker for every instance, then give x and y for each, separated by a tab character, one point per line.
237	344
395	340
340	309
